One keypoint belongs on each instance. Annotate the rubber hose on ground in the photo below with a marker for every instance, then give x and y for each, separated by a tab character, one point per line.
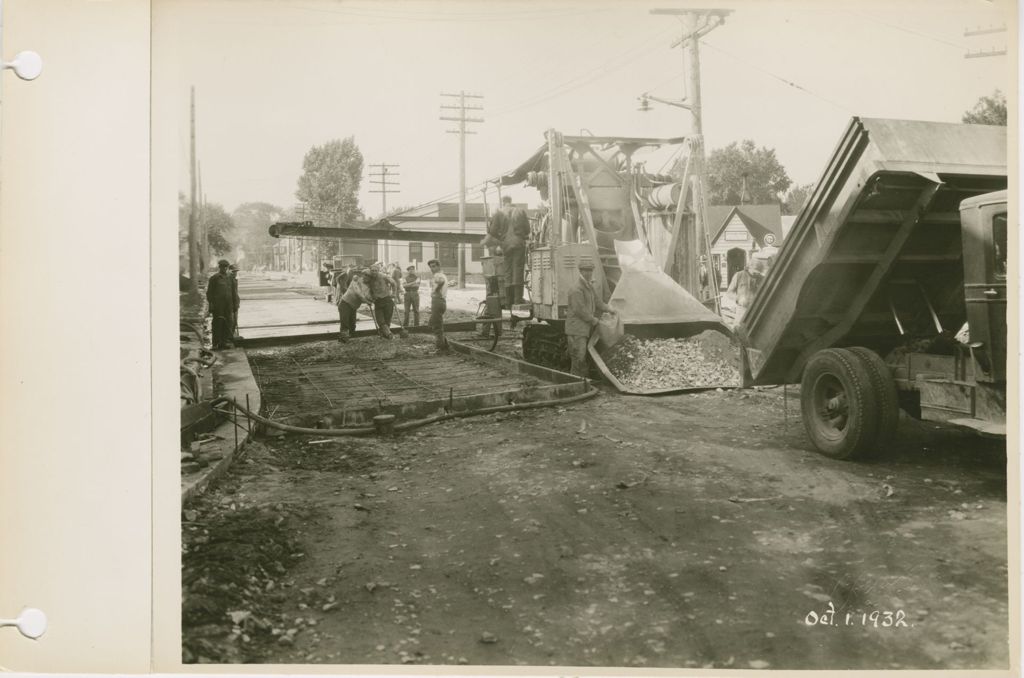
408	425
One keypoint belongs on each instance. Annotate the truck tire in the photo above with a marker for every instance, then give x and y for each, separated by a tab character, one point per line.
839	411
884	390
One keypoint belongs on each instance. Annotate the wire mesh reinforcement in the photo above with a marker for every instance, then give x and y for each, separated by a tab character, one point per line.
302	388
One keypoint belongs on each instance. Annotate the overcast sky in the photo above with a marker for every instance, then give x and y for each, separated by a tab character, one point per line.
274	78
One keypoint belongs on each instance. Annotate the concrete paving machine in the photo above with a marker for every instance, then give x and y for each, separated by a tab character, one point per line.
601	206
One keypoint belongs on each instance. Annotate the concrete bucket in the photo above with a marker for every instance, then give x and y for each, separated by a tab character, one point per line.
668	341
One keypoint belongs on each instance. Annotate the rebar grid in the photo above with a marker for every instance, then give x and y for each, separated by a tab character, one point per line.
303	388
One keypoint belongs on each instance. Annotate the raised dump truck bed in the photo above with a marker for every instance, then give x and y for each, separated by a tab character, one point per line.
877	260
883	217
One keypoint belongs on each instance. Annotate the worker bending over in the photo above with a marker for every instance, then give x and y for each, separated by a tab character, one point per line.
581	318
348	303
382	294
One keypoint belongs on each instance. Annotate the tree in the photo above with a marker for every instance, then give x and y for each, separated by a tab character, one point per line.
742	173
988	111
218	226
253	220
329	185
796	198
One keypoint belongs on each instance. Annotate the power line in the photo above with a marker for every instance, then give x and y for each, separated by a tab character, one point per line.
904	29
607	67
779	78
458	113
381	179
486	17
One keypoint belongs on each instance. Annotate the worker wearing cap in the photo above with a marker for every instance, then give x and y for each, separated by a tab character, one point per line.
221	295
411	285
348	303
438	304
581	318
237	300
396	275
513	247
382	294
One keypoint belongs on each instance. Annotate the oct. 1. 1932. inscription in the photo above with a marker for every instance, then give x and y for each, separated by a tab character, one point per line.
873	618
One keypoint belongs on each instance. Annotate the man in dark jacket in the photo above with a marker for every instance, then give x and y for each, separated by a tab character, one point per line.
517	233
221	295
581	318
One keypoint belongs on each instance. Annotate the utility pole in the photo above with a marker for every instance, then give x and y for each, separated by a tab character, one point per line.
461	118
696	24
381	179
204	236
193	227
982	53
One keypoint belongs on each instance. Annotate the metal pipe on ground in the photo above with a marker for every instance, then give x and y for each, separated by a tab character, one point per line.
408	425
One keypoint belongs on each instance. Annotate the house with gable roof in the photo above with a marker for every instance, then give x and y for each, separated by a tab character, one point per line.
737	232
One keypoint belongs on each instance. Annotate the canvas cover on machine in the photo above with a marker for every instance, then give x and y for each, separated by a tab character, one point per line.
646	295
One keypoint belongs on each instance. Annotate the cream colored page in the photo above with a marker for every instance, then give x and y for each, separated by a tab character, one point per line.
75	469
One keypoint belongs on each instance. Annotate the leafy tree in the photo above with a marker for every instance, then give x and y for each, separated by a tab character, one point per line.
796	198
329	185
727	168
989	110
253	220
219	226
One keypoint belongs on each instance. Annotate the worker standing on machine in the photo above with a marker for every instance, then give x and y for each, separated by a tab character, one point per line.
581	318
517	233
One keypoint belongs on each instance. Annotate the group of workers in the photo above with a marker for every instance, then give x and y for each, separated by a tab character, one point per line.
224	302
382	290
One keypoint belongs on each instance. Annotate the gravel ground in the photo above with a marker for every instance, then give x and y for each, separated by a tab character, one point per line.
693	530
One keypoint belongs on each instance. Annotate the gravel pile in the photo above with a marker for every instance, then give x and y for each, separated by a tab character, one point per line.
708	359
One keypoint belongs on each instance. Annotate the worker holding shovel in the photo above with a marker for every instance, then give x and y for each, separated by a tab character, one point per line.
581	318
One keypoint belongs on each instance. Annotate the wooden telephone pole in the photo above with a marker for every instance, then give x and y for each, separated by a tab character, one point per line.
461	118
380	178
696	24
193	225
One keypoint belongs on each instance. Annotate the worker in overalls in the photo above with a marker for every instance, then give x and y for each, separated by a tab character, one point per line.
581	318
513	247
743	287
411	285
349	302
382	293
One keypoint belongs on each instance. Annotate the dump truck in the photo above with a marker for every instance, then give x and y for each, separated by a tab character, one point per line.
889	292
601	206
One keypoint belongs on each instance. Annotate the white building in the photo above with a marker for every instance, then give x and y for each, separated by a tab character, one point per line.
737	232
418	253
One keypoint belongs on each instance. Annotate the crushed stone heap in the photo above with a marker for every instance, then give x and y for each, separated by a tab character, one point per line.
708	359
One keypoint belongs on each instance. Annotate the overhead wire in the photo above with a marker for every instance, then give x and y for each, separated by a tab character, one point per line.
489	16
780	78
607	67
904	29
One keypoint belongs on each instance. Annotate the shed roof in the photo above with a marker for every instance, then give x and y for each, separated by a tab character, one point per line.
760	220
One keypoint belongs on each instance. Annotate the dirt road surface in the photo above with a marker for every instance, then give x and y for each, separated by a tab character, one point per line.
680	531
